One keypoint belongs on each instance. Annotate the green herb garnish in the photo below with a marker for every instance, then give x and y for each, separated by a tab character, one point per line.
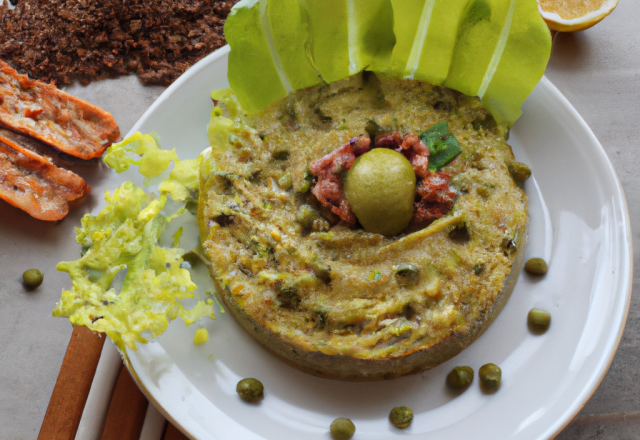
443	145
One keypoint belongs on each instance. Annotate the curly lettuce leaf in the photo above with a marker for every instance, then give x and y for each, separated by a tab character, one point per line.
126	284
283	45
426	37
479	36
347	36
227	119
256	87
494	49
522	64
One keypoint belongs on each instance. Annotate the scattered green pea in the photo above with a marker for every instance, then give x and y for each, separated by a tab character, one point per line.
286	181
281	155
306	215
320	225
407	274
490	377
460	377
539	320
321	270
519	171
401	416
306	184
342	429
250	389
483	191
32	278
536	266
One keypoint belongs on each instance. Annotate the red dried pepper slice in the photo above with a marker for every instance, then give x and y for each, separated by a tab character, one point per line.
34	184
436	198
410	146
329	190
67	123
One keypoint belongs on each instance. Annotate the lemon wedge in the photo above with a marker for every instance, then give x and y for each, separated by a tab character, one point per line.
574	15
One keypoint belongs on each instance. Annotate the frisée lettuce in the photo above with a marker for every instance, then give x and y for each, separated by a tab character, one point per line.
125	284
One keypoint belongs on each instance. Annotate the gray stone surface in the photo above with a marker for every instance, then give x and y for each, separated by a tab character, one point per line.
599	72
607	427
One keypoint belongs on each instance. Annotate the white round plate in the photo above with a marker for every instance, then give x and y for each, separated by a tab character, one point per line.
579	224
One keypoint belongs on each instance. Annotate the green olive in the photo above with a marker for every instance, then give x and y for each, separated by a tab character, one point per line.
401	416
407	274
490	377
519	171
381	187
32	278
342	429
539	320
460	377
250	390
536	266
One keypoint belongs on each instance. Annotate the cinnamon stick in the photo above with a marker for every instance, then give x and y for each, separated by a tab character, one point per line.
72	386
127	410
173	433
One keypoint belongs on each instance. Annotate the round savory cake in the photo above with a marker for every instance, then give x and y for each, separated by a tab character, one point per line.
312	284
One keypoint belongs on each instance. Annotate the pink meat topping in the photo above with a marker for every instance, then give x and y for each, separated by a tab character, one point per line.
329	189
434	198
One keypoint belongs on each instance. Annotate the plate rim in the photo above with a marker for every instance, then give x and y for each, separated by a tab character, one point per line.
599	376
612	342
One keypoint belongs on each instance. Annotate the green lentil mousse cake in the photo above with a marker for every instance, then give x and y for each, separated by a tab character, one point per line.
300	273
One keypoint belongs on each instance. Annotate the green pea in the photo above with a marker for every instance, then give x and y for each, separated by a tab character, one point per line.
490	377
342	429
407	274
288	296
250	389
539	320
306	183
286	181
536	266
401	416
306	215
281	155
321	270
460	377
320	225
519	171
483	191
381	187
32	278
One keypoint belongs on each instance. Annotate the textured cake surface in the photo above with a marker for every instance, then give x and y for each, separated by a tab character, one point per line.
326	297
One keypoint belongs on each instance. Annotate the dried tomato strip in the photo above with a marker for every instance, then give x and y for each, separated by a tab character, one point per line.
436	199
329	190
410	146
330	193
32	183
67	123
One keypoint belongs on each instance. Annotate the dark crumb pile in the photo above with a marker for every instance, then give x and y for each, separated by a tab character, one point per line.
61	40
